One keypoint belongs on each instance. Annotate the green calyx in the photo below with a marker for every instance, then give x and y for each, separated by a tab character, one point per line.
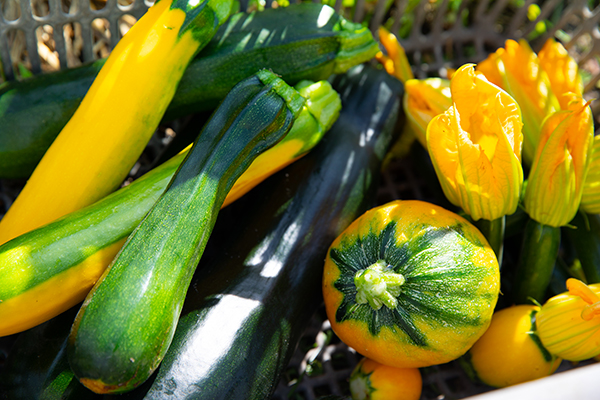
322	102
357	45
360	385
378	285
203	17
294	100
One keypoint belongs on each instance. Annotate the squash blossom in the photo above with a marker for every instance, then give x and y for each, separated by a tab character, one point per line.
590	199
569	324
559	168
395	63
424	99
562	71
516	69
475	147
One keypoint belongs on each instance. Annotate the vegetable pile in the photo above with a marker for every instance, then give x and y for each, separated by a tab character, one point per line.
198	278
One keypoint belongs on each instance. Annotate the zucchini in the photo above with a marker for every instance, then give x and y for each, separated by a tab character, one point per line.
127	321
118	114
271	212
266	279
539	251
305	41
66	257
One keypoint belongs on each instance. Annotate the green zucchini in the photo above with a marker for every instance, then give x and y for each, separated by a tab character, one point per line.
539	251
127	321
313	194
302	41
65	258
249	306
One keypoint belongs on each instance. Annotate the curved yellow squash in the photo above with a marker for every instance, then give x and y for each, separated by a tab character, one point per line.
100	144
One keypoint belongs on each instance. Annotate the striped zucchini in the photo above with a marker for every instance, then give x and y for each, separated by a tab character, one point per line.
303	41
48	270
127	321
247	309
97	148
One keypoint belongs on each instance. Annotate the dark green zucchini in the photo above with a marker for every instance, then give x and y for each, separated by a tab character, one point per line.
249	306
127	321
302	41
539	251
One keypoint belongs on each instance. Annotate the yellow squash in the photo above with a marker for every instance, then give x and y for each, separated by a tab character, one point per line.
102	141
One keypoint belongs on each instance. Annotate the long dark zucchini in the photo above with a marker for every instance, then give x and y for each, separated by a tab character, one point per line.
249	307
127	321
302	41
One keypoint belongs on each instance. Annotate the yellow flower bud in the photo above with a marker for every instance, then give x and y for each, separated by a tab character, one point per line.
590	199
559	168
562	71
569	324
516	69
395	63
423	100
475	147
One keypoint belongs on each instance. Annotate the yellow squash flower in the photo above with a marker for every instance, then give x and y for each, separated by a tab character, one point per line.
423	100
562	71
559	168
569	324
395	63
516	69
475	147
590	199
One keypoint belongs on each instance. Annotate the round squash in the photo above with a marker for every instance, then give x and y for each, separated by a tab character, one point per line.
374	381
510	351
410	284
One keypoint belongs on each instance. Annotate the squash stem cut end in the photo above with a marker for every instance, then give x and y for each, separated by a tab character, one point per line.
378	285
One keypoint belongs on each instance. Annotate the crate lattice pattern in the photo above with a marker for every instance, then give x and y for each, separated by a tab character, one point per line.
438	36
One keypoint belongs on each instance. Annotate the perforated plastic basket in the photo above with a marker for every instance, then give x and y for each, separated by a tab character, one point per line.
42	35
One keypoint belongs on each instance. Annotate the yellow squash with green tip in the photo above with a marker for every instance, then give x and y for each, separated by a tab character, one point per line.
101	142
50	269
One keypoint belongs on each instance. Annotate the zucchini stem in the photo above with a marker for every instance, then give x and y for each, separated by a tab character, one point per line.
378	285
539	251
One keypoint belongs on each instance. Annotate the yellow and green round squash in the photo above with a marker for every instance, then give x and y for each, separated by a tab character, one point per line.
374	381
410	284
510	351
